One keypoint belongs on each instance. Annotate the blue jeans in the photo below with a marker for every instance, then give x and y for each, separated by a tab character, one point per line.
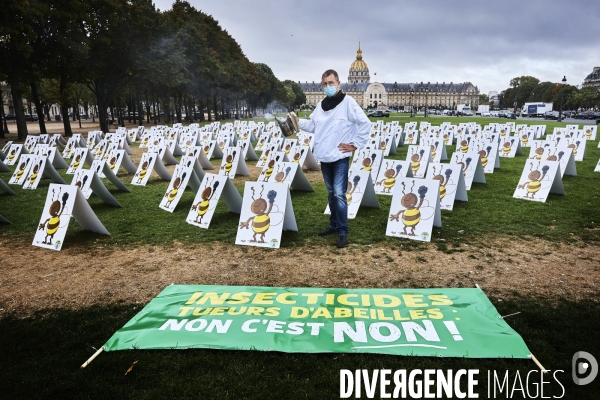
335	175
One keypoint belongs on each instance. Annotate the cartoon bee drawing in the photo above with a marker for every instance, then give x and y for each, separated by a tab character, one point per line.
265	155
464	165
506	147
484	154
410	138
411	215
261	143
77	161
53	223
415	161
367	163
19	173
280	176
539	152
261	222
351	188
535	180
202	206
269	171
588	134
433	148
298	156
444	182
145	141
80	183
525	139
383	144
228	162
464	145
574	146
33	175
142	174
446	138
502	132
12	156
221	145
554	157
170	195
288	148
390	178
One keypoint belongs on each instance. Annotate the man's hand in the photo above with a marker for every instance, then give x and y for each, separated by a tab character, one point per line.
346	147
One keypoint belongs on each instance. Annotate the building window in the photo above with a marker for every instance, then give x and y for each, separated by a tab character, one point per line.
379	95
371	96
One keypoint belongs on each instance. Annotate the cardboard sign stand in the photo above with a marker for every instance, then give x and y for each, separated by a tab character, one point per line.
142	174
3	167
190	173
5	188
97	187
266	211
54	221
47	171
361	192
4	220
212	189
291	174
534	176
102	168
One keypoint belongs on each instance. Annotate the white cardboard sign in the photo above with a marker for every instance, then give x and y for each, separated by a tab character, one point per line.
187	173
88	181
367	160
452	183
389	172
470	164
419	157
41	168
562	154
233	163
359	192
147	164
509	147
415	209
303	156
539	178
291	174
13	154
80	157
212	189
266	211
22	171
62	202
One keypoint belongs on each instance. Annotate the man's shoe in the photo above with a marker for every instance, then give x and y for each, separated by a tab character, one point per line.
342	241
328	231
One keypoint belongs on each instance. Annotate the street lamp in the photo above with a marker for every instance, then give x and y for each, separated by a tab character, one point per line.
436	99
410	102
562	93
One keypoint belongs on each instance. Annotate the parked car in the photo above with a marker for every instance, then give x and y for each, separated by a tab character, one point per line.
511	115
378	113
10	117
551	115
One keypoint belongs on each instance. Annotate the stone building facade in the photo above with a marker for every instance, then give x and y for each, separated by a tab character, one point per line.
593	79
396	95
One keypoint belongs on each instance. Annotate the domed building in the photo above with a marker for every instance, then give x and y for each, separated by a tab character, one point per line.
398	96
359	71
593	79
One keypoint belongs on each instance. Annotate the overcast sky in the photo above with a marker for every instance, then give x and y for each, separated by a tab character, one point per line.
413	41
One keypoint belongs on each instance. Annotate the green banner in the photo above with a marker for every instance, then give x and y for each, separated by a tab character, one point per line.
420	322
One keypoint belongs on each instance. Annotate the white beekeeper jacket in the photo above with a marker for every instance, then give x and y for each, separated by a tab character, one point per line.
346	123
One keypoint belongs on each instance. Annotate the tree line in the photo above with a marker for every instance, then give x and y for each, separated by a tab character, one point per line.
526	89
129	59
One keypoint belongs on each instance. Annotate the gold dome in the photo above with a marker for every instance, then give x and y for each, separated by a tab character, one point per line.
359	64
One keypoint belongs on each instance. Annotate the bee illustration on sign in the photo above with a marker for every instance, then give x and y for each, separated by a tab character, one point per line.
113	161
52	224
367	163
33	175
484	154
171	194
298	155
464	145
535	178
351	197
447	186
539	152
464	164
280	176
143	170
574	146
228	163
390	178
261	221
80	179
415	161
507	147
203	205
410	215
554	157
20	171
11	156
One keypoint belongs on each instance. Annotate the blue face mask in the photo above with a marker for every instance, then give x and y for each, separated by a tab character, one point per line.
330	90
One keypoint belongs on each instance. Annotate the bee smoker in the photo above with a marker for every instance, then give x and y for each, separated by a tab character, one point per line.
289	126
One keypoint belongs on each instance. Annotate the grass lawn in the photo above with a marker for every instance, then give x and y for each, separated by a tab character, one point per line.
43	349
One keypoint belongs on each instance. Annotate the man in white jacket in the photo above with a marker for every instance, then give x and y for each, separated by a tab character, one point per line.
340	127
